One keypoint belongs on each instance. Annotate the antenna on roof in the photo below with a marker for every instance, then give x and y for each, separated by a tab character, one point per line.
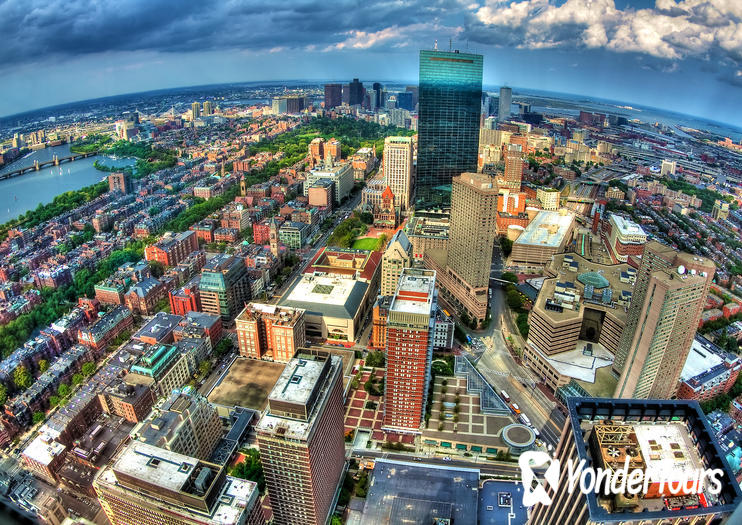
450	44
435	45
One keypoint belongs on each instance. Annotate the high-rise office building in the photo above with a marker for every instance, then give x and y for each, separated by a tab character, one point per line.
378	95
149	485
208	107
355	93
224	287
301	439
513	169
398	168
267	331
473	227
464	268
120	181
195	110
670	440
410	330
666	306
448	122
397	257
333	95
506	100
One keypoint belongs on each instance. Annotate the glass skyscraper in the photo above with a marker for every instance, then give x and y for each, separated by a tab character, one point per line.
450	102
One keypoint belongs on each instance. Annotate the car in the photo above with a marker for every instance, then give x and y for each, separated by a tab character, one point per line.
447	458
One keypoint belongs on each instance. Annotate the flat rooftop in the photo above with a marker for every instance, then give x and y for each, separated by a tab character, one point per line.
673	437
576	363
297	381
415	292
158	466
326	294
703	356
294	401
547	229
627	227
402	492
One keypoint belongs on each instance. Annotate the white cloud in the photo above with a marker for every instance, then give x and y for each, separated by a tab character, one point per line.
671	30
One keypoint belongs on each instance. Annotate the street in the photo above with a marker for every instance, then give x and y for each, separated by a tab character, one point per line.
499	368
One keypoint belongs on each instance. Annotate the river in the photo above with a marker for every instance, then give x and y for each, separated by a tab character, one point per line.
26	192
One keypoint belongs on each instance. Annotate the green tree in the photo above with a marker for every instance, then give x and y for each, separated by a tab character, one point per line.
43	365
38	417
251	469
509	276
77	379
63	390
54	401
515	301
375	359
204	368
21	378
157	269
506	245
3	394
88	368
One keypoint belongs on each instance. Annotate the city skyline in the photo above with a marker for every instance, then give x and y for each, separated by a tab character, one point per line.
634	52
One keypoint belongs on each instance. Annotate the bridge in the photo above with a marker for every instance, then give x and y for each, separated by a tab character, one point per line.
36	166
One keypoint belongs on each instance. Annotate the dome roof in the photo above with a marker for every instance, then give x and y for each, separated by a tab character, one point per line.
594	278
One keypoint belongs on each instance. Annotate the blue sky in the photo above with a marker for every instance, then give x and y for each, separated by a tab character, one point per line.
682	55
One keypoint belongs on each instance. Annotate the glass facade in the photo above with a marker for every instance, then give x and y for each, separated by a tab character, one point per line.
450	100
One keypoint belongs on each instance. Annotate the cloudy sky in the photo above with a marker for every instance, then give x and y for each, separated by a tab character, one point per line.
683	55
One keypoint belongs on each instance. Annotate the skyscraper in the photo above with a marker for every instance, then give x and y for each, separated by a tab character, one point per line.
398	169
448	122
506	100
208	107
397	257
224	287
301	439
666	306
650	439
378	91
409	349
355	92
513	168
333	95
473	227
196	110
464	269
120	181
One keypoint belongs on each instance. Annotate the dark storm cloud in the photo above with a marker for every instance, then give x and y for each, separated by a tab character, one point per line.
34	30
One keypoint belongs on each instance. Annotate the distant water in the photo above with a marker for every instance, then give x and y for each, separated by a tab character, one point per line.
20	194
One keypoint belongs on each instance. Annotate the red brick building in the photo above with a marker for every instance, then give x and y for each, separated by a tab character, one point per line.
103	331
409	341
172	248
270	332
144	296
205	230
186	299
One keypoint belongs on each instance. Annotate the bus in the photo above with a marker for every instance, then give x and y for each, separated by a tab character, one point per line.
515	408
524	419
505	396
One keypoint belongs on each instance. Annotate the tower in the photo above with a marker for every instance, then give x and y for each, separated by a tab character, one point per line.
301	439
196	110
506	100
450	94
666	306
410	329
398	169
333	95
273	237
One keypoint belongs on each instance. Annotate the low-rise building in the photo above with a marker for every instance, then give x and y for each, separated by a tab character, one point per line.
270	332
